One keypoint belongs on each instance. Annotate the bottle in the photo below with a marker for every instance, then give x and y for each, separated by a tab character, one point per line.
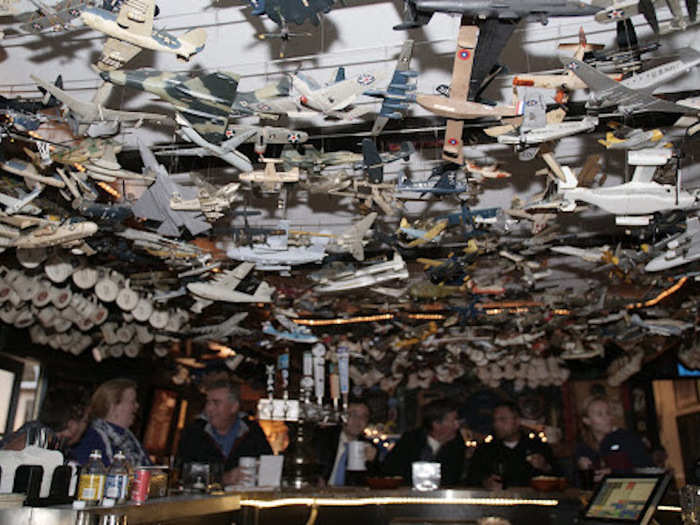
92	479
117	483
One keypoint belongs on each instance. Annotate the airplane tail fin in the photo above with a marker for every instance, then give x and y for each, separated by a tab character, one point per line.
281	88
339	75
692	6
221	85
196	37
356	233
372	162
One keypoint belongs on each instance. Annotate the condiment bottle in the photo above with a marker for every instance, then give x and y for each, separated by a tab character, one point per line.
92	479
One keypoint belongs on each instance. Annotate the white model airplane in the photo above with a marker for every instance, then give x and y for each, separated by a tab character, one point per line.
230	327
92	118
336	97
270	180
23	204
633	202
352	239
223	287
226	150
681	250
368	276
131	30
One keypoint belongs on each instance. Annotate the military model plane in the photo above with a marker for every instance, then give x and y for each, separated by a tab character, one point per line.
496	21
352	239
566	80
294	332
537	128
154	204
23	203
230	327
399	93
223	287
56	17
210	200
626	138
367	276
275	254
447	183
605	92
419	235
214	96
66	234
682	249
92	118
617	10
312	160
132	29
270	180
457	107
369	195
336	97
7	7
634	202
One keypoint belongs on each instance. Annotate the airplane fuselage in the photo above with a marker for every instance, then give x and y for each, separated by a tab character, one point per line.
464	109
633	198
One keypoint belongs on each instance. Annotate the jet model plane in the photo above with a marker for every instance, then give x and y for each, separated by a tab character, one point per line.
56	17
294	332
367	276
682	249
154	204
210	200
213	96
618	10
626	138
230	327
132	29
223	287
605	92
92	118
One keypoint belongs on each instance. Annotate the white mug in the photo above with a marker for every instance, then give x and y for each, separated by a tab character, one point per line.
60	297
127	299
143	310
107	288
31	258
58	268
357	455
85	277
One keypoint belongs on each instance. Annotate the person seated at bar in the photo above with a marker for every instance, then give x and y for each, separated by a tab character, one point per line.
436	440
223	435
111	413
331	446
512	458
62	420
604	449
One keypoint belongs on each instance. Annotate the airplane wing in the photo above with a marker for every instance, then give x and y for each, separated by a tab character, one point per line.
64	13
535	114
493	35
115	54
78	107
137	16
356	233
664	106
232	278
130	116
467	42
282	11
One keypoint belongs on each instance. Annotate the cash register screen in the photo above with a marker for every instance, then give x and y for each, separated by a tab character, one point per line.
622	498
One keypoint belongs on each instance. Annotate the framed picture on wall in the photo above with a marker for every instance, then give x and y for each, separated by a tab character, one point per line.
686	391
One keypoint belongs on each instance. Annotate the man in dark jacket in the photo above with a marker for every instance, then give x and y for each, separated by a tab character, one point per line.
437	440
331	447
511	457
223	436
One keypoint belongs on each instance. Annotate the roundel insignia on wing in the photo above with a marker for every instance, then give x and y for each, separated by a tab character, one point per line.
452	141
365	79
293	138
464	54
616	13
264	107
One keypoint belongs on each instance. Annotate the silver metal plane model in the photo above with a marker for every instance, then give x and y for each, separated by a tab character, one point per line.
223	287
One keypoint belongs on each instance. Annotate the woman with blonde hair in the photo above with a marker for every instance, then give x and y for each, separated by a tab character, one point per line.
605	449
112	411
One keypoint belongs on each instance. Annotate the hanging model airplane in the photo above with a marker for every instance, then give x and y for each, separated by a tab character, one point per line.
92	118
131	30
223	287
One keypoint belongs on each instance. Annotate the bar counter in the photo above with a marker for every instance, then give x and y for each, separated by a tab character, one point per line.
346	506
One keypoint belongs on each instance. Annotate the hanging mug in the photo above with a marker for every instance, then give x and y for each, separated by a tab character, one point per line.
159	319
143	310
132	350
85	277
59	268
125	333
143	334
127	299
24	319
31	258
42	297
61	297
62	322
107	288
109	333
100	315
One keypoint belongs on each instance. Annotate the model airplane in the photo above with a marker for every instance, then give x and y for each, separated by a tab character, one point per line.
537	128
277	255
352	239
626	138
335	98
605	92
458	107
66	234
92	118
400	92
617	10
421	236
23	203
223	287
30	174
217	332
683	249
633	202
270	180
294	332
447	183
369	195
211	201
367	276
132	29
154	204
